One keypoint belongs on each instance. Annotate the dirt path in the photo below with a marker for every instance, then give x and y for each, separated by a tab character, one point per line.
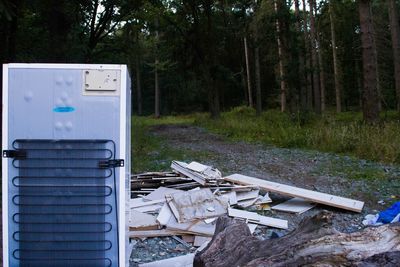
308	169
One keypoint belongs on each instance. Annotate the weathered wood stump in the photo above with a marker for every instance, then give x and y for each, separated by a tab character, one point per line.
315	242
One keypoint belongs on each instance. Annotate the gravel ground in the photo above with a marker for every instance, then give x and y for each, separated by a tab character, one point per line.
325	172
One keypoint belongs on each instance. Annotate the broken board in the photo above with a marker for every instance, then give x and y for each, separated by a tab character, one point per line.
180	261
254	217
313	196
160	193
196	205
142	221
196	228
294	205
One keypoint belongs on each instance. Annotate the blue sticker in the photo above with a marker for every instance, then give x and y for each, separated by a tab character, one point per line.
63	109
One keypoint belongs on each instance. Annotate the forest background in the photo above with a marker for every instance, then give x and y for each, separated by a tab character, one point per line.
311	74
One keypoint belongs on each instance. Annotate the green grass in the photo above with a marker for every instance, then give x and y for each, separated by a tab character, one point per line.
343	133
150	153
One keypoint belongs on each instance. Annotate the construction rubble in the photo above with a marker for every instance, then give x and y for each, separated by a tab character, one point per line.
187	201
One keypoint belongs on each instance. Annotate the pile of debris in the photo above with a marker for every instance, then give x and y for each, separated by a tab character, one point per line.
187	201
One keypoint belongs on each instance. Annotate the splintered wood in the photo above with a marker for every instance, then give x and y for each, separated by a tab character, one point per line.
187	202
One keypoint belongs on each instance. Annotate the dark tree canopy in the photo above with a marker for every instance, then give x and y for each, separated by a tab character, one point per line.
196	49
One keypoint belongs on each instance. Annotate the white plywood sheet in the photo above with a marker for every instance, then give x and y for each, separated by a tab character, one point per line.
160	193
313	196
164	215
180	261
259	219
140	220
294	205
196	205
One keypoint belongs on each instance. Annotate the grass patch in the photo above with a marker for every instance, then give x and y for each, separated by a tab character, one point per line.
150	153
353	168
343	133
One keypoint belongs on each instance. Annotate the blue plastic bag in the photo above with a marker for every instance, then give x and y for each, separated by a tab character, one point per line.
388	215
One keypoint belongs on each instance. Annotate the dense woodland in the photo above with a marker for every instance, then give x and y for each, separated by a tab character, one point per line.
203	55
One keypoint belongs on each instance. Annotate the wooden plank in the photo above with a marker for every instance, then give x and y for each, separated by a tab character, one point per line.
210	220
142	221
154	233
181	167
160	193
197	167
252	227
140	202
243	214
164	215
152	208
180	261
188	238
200	240
247	203
313	196
259	219
294	205
264	199
196	228
247	195
231	197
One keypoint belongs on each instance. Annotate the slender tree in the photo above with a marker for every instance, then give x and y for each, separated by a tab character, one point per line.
258	79
307	56
314	59
156	78
249	89
320	62
336	68
301	73
257	69
370	85
395	32
281	55
138	85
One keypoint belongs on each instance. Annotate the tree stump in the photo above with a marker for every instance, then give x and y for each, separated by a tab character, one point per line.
315	242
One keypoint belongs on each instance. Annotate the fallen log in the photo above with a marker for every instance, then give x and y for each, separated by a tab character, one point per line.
314	242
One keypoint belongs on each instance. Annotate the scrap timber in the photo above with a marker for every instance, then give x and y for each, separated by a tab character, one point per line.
188	202
317	197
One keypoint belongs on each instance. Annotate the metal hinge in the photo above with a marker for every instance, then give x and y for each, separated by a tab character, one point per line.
112	163
17	154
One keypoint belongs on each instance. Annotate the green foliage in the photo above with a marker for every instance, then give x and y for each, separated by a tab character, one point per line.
149	152
343	133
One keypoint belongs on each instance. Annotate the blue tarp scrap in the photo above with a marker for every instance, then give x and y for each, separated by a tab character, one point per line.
388	215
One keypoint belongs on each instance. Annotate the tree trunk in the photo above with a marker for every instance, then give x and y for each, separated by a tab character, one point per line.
258	80
370	84
395	30
301	73
243	82
314	243
138	85
314	59
336	69
307	57
320	63
156	81
282	72
249	89
156	91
